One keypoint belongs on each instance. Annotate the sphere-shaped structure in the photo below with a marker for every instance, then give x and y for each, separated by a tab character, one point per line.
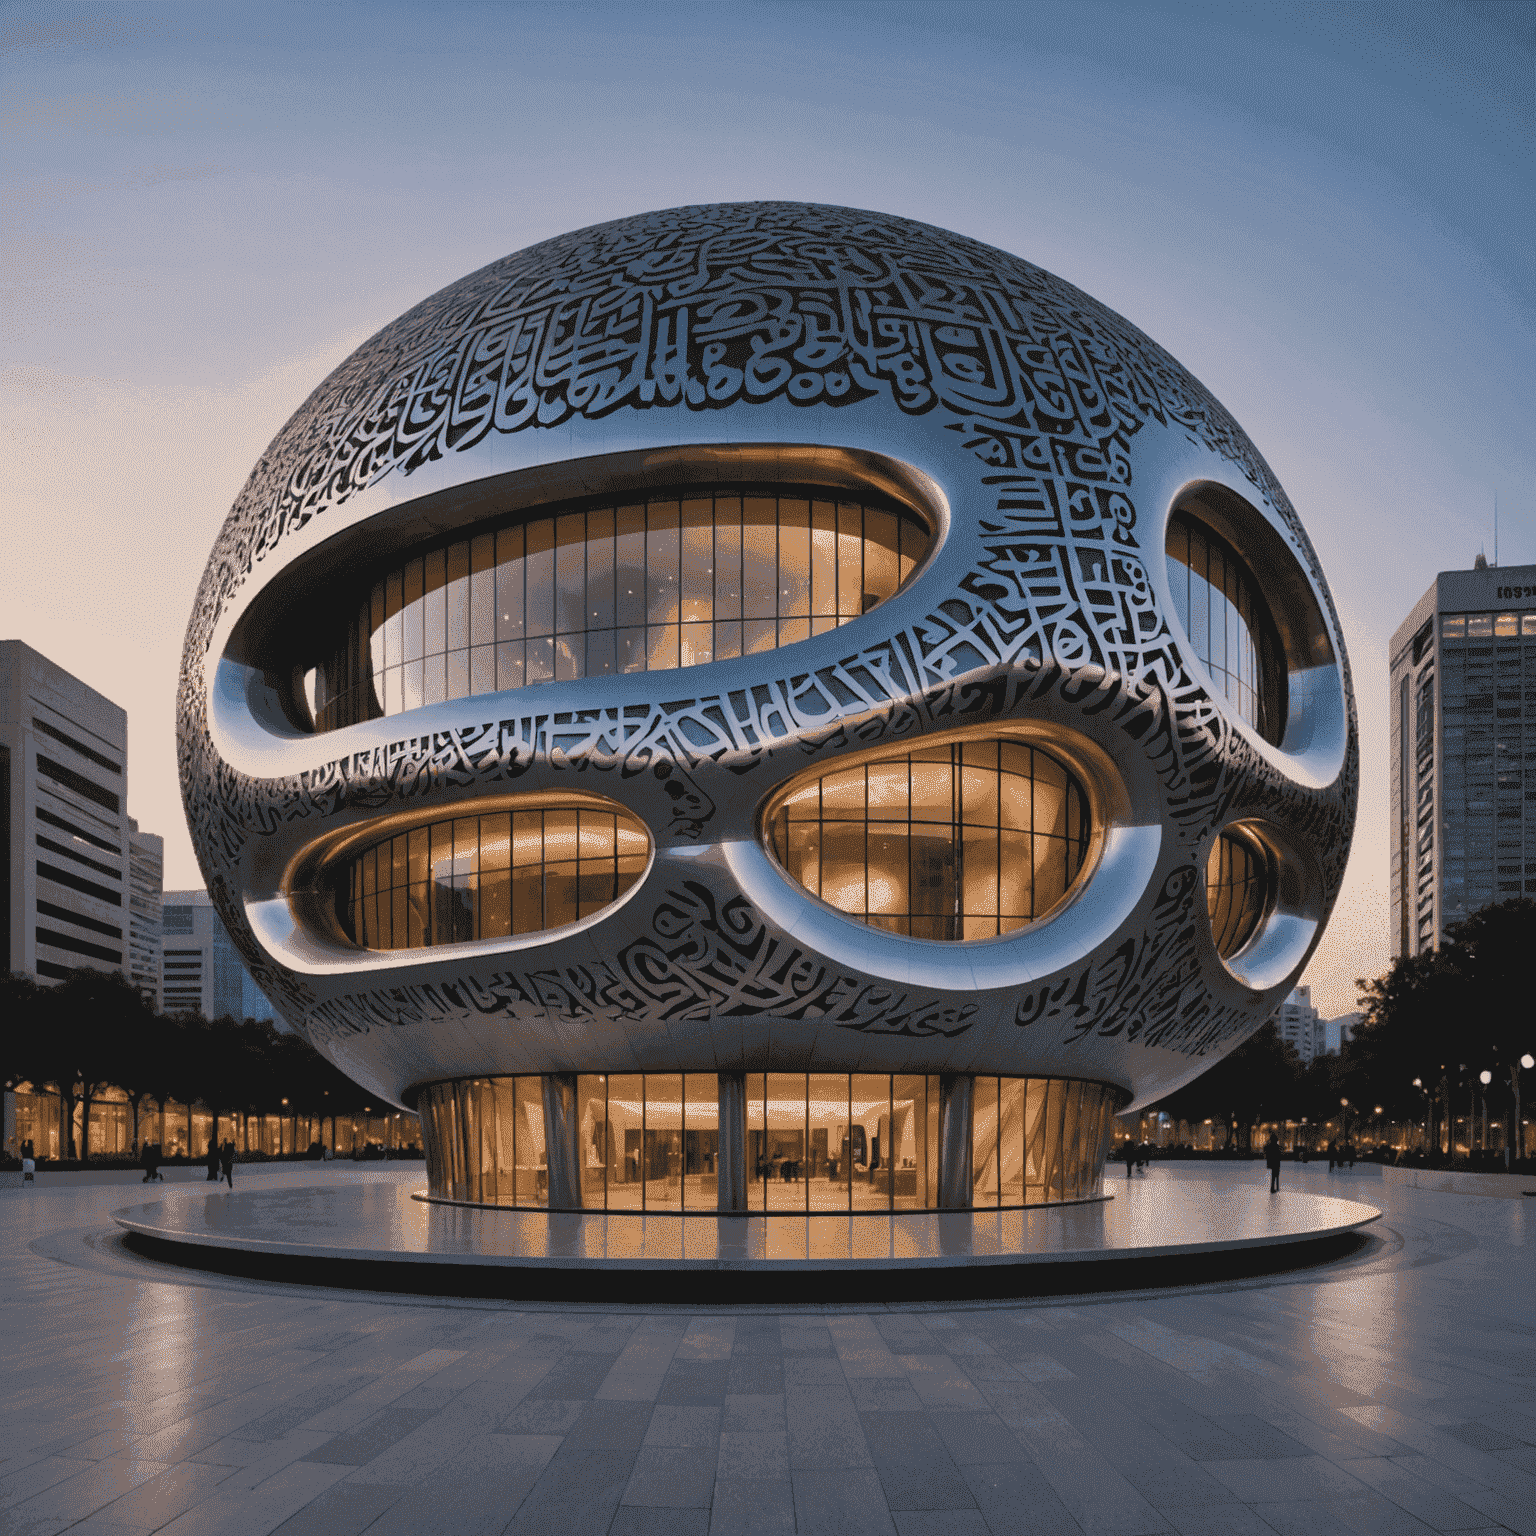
767	706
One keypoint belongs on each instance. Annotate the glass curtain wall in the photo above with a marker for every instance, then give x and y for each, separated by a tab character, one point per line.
666	581
820	1142
484	877
484	1140
964	841
1218	603
1038	1141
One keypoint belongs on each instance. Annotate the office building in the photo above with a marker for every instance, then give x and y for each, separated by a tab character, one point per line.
146	874
64	784
202	970
1300	1025
1463	751
767	707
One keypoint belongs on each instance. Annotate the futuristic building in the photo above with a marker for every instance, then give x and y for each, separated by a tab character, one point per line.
767	707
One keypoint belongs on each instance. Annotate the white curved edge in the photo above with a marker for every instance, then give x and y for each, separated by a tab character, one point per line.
1089	919
1278	953
268	1247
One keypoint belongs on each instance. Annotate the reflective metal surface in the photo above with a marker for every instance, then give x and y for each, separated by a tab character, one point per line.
1042	439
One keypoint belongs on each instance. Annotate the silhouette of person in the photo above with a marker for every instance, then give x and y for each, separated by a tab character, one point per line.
1272	1162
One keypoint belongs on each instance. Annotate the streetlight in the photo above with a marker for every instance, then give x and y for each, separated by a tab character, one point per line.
1418	1083
1485	1077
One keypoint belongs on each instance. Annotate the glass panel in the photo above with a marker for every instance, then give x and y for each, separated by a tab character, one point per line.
504	1151
870	1136
1222	611
592	1139
909	1143
1054	1111
663	1142
757	1139
532	1163
1010	1140
827	1159
491	877
701	1141
784	1143
1237	892
609	589
955	842
626	1137
1071	1143
984	1142
1035	1096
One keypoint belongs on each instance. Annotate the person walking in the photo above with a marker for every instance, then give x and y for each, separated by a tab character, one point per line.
227	1162
1129	1149
1272	1162
212	1161
147	1163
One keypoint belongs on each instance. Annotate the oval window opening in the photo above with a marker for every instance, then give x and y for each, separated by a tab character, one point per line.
964	841
661	581
1239	889
1228	623
489	877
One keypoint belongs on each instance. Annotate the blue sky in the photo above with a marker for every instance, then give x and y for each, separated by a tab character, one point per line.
1324	211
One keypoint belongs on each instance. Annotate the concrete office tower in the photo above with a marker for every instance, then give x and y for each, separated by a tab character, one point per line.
1299	1023
1463	701
767	707
64	784
202	969
146	876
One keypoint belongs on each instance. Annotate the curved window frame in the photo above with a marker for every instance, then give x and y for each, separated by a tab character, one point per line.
1078	792
478	852
728	570
1221	606
1237	916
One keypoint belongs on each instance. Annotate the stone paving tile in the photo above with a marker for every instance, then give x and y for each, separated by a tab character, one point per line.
914	1465
1388	1398
578	1492
842	1503
672	1477
343	1509
754	1506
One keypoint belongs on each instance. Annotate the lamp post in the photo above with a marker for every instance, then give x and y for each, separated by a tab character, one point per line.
1418	1083
1526	1062
1485	1077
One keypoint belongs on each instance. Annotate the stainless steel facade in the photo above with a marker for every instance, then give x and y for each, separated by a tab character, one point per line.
813	354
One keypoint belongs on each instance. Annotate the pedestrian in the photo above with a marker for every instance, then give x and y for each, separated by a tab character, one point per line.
213	1161
227	1162
147	1163
1333	1156
1272	1162
1129	1149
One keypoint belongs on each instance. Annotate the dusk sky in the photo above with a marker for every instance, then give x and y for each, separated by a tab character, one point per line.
1325	212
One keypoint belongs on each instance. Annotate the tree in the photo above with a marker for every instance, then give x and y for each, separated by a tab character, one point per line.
1256	1080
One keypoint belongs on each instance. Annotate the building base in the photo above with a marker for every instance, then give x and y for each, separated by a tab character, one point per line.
383	1236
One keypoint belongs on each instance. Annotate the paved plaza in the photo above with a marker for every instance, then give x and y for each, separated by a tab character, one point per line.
1392	1392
